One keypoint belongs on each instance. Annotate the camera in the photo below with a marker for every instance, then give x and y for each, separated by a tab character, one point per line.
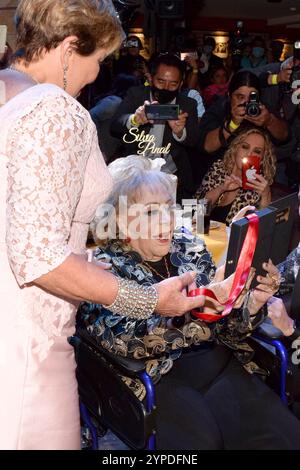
252	107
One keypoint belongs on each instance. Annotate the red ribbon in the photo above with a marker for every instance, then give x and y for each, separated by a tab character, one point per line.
240	277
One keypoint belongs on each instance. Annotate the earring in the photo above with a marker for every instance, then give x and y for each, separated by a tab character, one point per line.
127	240
65	82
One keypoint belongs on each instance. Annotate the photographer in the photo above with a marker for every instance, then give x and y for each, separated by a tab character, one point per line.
279	87
237	111
167	139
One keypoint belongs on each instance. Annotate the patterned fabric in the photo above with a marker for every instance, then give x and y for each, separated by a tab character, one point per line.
215	177
156	339
289	270
159	340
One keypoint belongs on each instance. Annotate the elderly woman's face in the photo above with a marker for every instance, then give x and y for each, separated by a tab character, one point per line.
151	224
253	144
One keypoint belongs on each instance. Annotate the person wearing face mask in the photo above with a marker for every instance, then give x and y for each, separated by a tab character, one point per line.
170	140
257	57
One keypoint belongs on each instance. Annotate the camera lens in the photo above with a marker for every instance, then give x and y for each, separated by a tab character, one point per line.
253	109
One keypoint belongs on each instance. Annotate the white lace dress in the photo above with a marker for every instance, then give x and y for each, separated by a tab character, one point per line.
53	176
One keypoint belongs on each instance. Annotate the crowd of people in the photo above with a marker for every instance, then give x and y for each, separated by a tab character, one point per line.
55	184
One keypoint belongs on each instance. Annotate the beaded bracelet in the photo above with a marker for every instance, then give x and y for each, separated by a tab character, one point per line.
134	300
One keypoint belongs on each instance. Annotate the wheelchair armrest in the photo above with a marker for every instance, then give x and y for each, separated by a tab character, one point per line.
268	330
130	367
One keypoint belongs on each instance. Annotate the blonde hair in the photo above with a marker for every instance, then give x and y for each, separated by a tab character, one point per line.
268	161
43	24
130	176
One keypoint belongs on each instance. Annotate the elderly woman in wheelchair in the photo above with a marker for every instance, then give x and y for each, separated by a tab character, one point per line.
204	397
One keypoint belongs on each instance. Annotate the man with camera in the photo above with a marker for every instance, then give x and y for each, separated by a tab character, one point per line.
156	132
242	108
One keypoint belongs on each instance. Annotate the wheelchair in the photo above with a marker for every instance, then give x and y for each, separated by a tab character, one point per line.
270	353
106	402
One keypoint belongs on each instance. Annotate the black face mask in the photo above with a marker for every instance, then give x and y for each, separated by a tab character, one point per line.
163	96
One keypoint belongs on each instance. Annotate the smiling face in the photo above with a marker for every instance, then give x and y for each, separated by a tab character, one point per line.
150	225
167	78
253	144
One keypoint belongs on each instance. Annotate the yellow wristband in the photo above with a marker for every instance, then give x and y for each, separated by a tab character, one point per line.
274	79
195	71
233	125
133	121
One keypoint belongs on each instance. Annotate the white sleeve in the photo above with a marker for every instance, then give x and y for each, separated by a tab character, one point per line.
47	151
198	98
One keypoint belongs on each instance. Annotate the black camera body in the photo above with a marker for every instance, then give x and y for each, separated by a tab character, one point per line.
252	107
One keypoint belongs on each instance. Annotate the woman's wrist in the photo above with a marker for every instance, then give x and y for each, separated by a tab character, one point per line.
133	121
231	126
265	197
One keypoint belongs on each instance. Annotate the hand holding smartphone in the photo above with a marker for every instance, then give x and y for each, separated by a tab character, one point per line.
250	168
192	55
3	35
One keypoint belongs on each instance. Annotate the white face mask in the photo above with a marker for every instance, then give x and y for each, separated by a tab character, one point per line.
208	49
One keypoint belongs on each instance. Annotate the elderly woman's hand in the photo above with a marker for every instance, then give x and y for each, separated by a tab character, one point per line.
172	296
279	316
267	287
242	213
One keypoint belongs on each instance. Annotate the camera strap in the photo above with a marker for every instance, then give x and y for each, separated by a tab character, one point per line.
240	277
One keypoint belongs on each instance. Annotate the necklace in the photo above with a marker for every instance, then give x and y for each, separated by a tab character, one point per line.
156	272
24	73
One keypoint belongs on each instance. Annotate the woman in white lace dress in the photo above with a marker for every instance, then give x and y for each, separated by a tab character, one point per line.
53	177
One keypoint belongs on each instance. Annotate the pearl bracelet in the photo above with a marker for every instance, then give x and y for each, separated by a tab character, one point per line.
134	300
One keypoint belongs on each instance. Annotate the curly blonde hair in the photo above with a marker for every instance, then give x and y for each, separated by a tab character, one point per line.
268	161
44	24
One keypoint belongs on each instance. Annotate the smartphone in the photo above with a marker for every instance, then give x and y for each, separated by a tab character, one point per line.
3	35
162	112
250	168
193	54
